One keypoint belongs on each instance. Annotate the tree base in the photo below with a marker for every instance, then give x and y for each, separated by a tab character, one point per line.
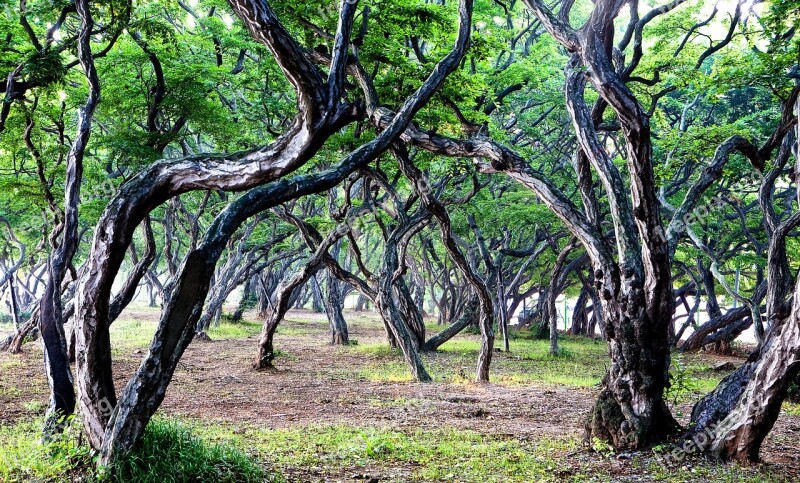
263	365
203	336
340	339
607	422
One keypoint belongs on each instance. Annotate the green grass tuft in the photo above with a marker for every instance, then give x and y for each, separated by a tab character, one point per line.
170	452
581	362
23	457
234	330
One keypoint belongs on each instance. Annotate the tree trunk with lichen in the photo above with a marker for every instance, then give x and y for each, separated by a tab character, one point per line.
630	411
334	304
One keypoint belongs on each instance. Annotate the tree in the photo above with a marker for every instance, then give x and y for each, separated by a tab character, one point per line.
320	115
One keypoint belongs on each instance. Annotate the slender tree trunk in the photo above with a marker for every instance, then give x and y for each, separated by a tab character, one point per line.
266	346
333	309
362	303
391	313
502	310
12	297
410	311
580	325
51	323
317	300
334	303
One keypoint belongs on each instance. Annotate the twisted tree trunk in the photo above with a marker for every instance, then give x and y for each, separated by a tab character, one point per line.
51	321
334	303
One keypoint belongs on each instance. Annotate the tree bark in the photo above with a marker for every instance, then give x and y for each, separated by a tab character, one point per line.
333	309
334	303
51	323
468	317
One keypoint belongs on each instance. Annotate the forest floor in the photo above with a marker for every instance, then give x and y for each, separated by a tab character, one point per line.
352	413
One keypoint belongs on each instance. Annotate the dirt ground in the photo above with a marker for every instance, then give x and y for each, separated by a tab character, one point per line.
319	384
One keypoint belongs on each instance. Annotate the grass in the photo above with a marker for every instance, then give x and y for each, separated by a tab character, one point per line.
128	334
449	454
234	330
691	377
23	458
791	408
413	455
7	328
10	364
175	450
169	452
581	362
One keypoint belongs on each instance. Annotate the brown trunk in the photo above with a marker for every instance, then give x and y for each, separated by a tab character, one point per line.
51	322
410	311
386	298
266	349
362	303
333	310
15	344
631	411
422	188
733	421
556	283
12	296
468	317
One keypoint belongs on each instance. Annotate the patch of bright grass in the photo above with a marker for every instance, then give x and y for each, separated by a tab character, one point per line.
234	330
791	408
449	454
376	350
9	364
35	407
581	362
24	458
169	452
691	378
126	334
293	328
